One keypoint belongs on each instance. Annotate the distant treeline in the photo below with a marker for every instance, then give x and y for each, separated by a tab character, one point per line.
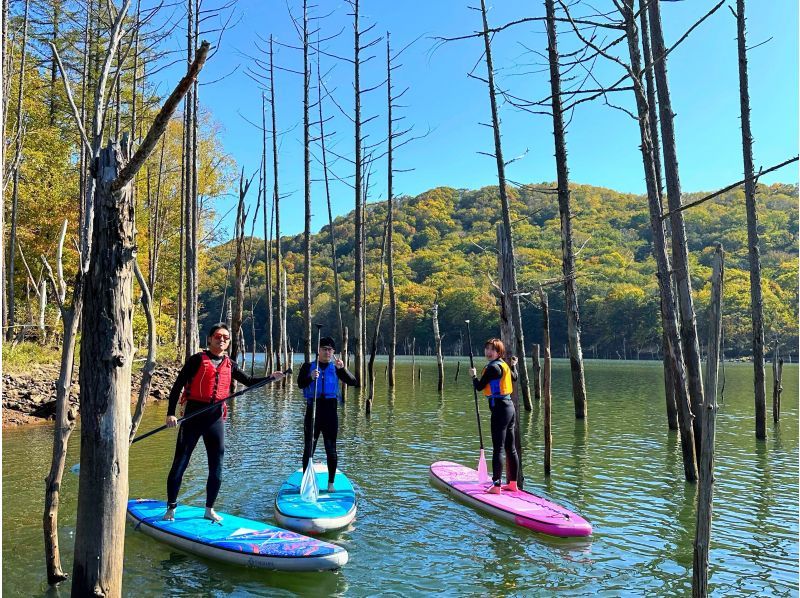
444	247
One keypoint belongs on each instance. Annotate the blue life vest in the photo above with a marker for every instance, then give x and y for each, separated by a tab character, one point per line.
327	384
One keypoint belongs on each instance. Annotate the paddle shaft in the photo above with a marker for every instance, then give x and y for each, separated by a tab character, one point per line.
474	390
211	406
316	386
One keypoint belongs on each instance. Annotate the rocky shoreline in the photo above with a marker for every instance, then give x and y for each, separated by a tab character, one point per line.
30	397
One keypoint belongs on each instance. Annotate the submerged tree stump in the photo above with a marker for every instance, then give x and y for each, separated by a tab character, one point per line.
777	388
706	468
537	373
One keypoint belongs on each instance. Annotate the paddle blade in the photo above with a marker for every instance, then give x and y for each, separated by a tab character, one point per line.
483	475
308	485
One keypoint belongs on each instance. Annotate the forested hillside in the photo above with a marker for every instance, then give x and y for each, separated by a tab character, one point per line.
444	249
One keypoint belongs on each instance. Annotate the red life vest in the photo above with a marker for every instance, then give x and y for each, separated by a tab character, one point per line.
210	384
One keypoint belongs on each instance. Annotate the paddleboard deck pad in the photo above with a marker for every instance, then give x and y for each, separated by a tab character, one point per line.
234	540
331	511
519	507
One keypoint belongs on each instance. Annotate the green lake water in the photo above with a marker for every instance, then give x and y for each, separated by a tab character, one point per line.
621	470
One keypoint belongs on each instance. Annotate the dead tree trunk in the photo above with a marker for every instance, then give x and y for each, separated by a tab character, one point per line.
517	341
238	268
269	358
358	275
546	394
753	252
334	261
669	317
105	379
377	328
437	339
565	211
65	415
283	356
507	332
705	496
150	362
680	251
12	243
537	371
307	195
4	93
670	390
190	218
777	388
390	229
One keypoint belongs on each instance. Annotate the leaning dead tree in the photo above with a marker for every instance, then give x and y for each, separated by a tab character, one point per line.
753	254
437	339
680	246
565	212
705	496
107	341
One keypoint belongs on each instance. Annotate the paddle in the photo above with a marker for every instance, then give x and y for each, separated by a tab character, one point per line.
308	485
211	406
483	475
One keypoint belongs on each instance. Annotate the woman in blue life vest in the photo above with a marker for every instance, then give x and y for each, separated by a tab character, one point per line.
206	378
496	382
322	377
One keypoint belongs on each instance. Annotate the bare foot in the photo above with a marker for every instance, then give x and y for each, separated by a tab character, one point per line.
212	516
493	489
169	515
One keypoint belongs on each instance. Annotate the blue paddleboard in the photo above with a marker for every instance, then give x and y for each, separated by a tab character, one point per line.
235	539
331	511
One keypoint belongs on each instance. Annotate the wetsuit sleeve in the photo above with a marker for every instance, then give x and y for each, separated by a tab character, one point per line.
514	373
346	376
492	373
187	372
304	377
243	378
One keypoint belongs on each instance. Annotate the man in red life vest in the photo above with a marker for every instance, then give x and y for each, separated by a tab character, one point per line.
206	378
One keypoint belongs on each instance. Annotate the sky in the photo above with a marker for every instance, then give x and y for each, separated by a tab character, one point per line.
448	110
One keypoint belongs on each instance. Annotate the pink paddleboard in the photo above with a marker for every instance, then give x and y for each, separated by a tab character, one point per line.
520	507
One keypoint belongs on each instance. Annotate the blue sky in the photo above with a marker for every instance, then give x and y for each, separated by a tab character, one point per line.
602	142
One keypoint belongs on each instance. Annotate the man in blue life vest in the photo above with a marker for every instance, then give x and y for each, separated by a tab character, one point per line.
322	377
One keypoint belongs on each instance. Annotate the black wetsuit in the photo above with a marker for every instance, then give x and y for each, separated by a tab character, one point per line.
502	424
209	426
326	419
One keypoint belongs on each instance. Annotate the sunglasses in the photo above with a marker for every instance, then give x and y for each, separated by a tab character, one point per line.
222	337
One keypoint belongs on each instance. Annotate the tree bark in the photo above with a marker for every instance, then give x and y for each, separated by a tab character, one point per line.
565	212
269	360
546	394
705	496
105	380
753	252
669	318
680	251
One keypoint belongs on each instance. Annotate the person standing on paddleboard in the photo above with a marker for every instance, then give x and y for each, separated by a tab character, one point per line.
328	372
496	383
207	377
